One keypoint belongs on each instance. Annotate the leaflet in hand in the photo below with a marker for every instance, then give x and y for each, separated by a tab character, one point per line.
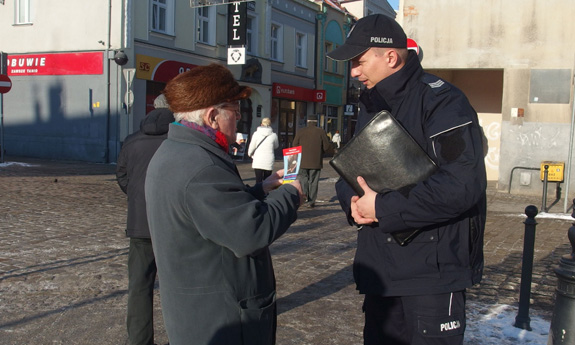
292	159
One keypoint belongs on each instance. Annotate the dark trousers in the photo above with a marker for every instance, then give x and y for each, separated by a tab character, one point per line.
141	278
262	174
415	320
309	179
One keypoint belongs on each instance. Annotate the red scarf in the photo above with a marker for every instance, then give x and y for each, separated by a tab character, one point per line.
215	134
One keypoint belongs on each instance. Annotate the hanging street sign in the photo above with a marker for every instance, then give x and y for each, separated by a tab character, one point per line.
236	56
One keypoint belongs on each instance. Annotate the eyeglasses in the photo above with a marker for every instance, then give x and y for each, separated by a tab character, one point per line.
231	106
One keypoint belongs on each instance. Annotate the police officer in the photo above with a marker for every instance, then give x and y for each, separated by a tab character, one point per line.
415	293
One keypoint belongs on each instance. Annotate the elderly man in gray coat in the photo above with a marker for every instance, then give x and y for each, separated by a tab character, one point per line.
211	232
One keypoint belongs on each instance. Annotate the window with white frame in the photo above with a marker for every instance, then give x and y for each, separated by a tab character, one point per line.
335	64
327	61
162	16
251	35
301	49
276	42
22	12
207	25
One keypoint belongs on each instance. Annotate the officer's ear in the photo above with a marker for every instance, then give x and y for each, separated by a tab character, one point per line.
394	58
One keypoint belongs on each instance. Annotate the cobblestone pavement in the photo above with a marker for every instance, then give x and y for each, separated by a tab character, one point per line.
63	253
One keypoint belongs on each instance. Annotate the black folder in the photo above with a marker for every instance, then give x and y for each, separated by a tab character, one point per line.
387	157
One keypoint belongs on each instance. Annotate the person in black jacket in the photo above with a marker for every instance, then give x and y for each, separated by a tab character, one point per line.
138	149
415	293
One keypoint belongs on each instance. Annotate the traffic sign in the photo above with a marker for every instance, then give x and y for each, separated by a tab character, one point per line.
5	83
411	44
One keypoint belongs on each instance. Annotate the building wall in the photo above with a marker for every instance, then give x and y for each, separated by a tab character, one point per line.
525	40
62	115
67	25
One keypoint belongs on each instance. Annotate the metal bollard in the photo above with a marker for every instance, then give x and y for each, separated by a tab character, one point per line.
522	320
562	329
545	180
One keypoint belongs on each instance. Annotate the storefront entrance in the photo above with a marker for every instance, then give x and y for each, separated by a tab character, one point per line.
291	116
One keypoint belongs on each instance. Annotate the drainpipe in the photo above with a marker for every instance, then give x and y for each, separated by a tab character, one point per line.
319	44
568	177
108	110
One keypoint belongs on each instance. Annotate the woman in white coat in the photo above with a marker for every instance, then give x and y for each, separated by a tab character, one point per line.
262	145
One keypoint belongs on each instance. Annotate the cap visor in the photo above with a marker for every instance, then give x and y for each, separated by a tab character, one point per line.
346	52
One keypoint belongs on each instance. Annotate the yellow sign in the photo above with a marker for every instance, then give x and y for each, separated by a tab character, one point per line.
554	171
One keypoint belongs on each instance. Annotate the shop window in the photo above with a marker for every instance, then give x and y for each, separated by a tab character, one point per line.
331	120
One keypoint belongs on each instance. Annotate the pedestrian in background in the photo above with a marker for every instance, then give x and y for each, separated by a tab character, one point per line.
314	144
211	233
132	164
415	293
261	149
336	139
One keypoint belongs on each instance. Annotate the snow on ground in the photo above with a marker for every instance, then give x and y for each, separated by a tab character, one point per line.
493	325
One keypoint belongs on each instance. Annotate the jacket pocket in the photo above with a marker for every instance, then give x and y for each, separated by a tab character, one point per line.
258	319
417	259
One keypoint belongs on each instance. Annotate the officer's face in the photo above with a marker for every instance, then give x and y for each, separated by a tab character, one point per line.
373	66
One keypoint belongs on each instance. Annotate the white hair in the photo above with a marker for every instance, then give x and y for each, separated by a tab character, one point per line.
160	102
197	116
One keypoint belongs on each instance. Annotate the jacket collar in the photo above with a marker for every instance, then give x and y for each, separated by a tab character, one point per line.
389	93
187	135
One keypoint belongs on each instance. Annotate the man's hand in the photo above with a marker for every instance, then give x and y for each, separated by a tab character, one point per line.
363	209
273	181
297	185
276	179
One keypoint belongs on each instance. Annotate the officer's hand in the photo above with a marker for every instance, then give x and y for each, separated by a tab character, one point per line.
363	209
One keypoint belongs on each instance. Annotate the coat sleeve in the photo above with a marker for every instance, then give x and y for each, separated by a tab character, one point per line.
326	144
344	193
296	139
230	215
122	170
252	146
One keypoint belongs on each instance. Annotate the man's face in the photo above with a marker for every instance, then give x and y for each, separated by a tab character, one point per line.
228	115
371	67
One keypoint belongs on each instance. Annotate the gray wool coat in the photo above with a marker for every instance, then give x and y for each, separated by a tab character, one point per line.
211	233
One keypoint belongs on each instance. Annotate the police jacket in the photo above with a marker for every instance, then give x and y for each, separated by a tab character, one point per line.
449	207
135	155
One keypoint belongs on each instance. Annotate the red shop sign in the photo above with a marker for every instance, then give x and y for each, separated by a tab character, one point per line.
298	93
56	64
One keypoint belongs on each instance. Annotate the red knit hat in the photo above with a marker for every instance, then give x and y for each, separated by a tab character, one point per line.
203	87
